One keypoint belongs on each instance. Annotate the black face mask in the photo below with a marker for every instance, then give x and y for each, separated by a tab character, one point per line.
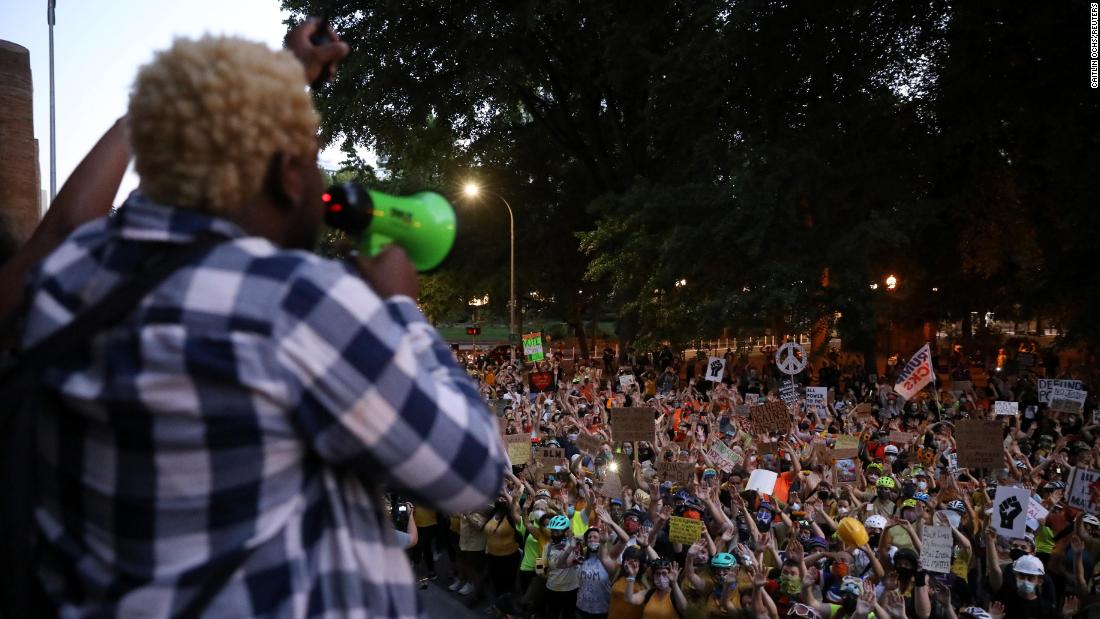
874	539
905	572
848	603
1016	553
823	495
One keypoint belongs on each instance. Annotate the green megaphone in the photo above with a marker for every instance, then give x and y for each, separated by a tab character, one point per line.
423	223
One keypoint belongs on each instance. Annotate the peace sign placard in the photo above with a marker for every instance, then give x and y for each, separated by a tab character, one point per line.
790	358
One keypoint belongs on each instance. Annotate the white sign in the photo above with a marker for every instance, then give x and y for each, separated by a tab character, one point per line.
953	462
723	457
1084	490
1006	408
1047	385
788	392
815	400
916	374
1067	400
626	380
935	551
1010	511
790	358
763	481
715	367
1035	508
752	398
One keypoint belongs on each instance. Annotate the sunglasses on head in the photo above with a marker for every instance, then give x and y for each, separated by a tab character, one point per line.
801	610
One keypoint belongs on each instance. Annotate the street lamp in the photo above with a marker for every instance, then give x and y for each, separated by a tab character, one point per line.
891	282
472	190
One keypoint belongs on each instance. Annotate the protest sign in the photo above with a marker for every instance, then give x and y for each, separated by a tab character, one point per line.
632	424
1047	385
916	374
547	454
741	410
902	438
684	530
770	417
1066	400
846	471
611	487
1010	511
847	446
1006	408
1084	490
979	444
752	398
588	444
816	398
626	380
1025	361
953	462
624	466
762	481
519	448
676	472
788	392
936	546
541	381
532	347
769	447
1035	508
715	367
723	457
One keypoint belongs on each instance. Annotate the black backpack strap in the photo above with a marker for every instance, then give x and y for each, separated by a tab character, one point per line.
20	592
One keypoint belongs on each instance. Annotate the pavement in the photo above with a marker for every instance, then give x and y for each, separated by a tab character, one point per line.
440	603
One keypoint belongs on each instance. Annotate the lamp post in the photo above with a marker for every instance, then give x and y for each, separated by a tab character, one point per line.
472	191
51	6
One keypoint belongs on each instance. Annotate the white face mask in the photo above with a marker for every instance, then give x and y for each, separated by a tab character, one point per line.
662	582
593	546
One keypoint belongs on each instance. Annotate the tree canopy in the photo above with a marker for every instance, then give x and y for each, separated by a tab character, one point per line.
771	158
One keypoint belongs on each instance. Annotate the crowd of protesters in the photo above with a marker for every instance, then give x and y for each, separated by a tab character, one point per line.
819	544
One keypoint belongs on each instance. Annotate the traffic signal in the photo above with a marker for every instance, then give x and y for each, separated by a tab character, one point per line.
474	330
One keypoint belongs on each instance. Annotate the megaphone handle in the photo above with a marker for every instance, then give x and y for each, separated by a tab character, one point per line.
376	242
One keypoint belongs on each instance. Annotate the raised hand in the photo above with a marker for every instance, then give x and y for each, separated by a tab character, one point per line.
894	603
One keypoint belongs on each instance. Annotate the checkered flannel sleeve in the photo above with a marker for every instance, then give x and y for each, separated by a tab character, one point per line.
380	391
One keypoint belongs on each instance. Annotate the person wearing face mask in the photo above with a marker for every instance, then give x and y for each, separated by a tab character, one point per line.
1025	590
906	534
786	591
620	607
911	583
886	494
562	581
501	548
664	600
847	605
597	564
714	593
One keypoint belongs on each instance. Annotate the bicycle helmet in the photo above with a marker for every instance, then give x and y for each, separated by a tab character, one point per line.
874	466
723	560
973	612
886	482
891	449
956	506
922	497
910	503
558	523
875	522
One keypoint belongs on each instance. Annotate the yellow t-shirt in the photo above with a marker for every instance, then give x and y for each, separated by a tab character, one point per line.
424	517
500	538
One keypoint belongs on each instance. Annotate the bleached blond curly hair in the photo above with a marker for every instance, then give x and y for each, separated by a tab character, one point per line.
207	115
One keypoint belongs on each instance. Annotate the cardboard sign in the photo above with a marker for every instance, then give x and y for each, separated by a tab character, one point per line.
1006	408
547	454
1025	361
936	547
676	472
762	481
741	410
1084	490
612	487
979	444
770	417
1047	385
519	448
1010	511
588	444
847	446
684	530
788	392
723	457
715	368
1066	400
532	347
633	424
541	381
767	447
902	438
962	385
816	398
846	471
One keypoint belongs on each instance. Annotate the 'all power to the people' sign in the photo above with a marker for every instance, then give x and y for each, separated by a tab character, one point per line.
532	347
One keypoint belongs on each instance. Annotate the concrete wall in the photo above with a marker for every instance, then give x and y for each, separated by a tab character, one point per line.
19	177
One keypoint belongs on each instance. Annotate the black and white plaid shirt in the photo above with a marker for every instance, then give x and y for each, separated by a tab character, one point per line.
248	409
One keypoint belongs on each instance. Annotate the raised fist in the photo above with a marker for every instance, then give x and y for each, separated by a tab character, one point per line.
1009	509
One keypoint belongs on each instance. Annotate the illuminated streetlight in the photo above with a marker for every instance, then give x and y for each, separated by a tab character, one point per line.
874	286
680	283
472	190
891	282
